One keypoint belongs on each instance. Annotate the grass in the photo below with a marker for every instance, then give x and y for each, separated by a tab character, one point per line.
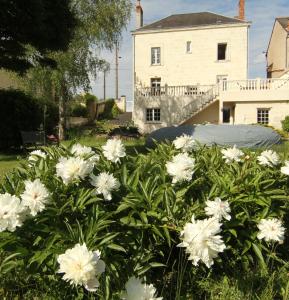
10	161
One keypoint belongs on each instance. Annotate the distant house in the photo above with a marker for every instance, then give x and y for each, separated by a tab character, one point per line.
193	68
278	49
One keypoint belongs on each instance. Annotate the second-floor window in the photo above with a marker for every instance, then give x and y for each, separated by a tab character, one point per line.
189	47
156	56
222	51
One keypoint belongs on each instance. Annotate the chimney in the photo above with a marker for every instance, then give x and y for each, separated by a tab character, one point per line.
241	10
139	15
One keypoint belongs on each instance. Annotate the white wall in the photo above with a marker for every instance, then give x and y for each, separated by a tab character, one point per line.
276	56
201	66
246	112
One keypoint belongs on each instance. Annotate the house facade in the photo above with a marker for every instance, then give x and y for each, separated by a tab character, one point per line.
193	68
278	49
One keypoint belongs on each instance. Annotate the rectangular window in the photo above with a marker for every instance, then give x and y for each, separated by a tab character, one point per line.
156	56
153	115
222	51
263	116
155	86
189	47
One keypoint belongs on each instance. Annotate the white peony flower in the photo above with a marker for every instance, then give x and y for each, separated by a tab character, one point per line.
105	183
35	155
84	152
73	168
81	267
271	230
185	143
11	211
35	196
113	150
285	169
218	209
136	290
268	158
201	240
181	167
232	154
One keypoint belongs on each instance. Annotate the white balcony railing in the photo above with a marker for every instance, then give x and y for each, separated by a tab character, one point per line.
255	85
185	90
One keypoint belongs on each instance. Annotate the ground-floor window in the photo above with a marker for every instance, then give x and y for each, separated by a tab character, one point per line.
263	116
153	114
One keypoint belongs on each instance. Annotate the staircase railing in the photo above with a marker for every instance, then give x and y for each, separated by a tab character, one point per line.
202	100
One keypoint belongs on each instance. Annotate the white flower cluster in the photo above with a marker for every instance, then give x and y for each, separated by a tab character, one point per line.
104	183
84	152
36	155
73	168
268	158
232	154
202	240
114	150
136	290
81	267
13	211
181	167
285	169
184	143
271	230
218	209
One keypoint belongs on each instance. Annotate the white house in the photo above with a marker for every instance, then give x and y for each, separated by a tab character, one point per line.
193	68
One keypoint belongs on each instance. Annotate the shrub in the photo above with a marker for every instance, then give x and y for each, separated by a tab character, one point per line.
134	210
285	124
21	112
110	110
79	110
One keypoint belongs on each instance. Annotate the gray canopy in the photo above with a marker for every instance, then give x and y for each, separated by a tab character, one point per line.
243	136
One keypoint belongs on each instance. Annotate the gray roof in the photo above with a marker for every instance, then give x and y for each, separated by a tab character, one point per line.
283	21
190	20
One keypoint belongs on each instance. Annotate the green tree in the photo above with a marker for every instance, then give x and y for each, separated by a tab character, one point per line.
30	29
99	26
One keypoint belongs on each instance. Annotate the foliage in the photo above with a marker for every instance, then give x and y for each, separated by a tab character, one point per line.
99	25
285	124
138	231
110	110
21	112
43	25
79	110
89	98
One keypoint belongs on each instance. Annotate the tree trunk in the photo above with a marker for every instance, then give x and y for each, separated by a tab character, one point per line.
62	103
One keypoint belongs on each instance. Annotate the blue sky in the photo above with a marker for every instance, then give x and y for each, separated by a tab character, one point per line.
261	13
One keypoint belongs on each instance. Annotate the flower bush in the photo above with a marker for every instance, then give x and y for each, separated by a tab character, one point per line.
175	217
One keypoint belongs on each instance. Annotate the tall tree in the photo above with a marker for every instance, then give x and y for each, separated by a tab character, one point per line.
99	25
30	29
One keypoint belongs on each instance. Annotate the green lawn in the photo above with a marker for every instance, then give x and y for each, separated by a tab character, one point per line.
9	161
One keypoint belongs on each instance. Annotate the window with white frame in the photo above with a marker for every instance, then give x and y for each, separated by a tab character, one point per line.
222	51
153	114
156	56
189	47
263	116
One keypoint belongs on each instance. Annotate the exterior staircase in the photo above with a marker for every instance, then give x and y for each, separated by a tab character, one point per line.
203	100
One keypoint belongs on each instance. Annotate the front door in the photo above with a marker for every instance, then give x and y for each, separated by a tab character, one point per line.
226	115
